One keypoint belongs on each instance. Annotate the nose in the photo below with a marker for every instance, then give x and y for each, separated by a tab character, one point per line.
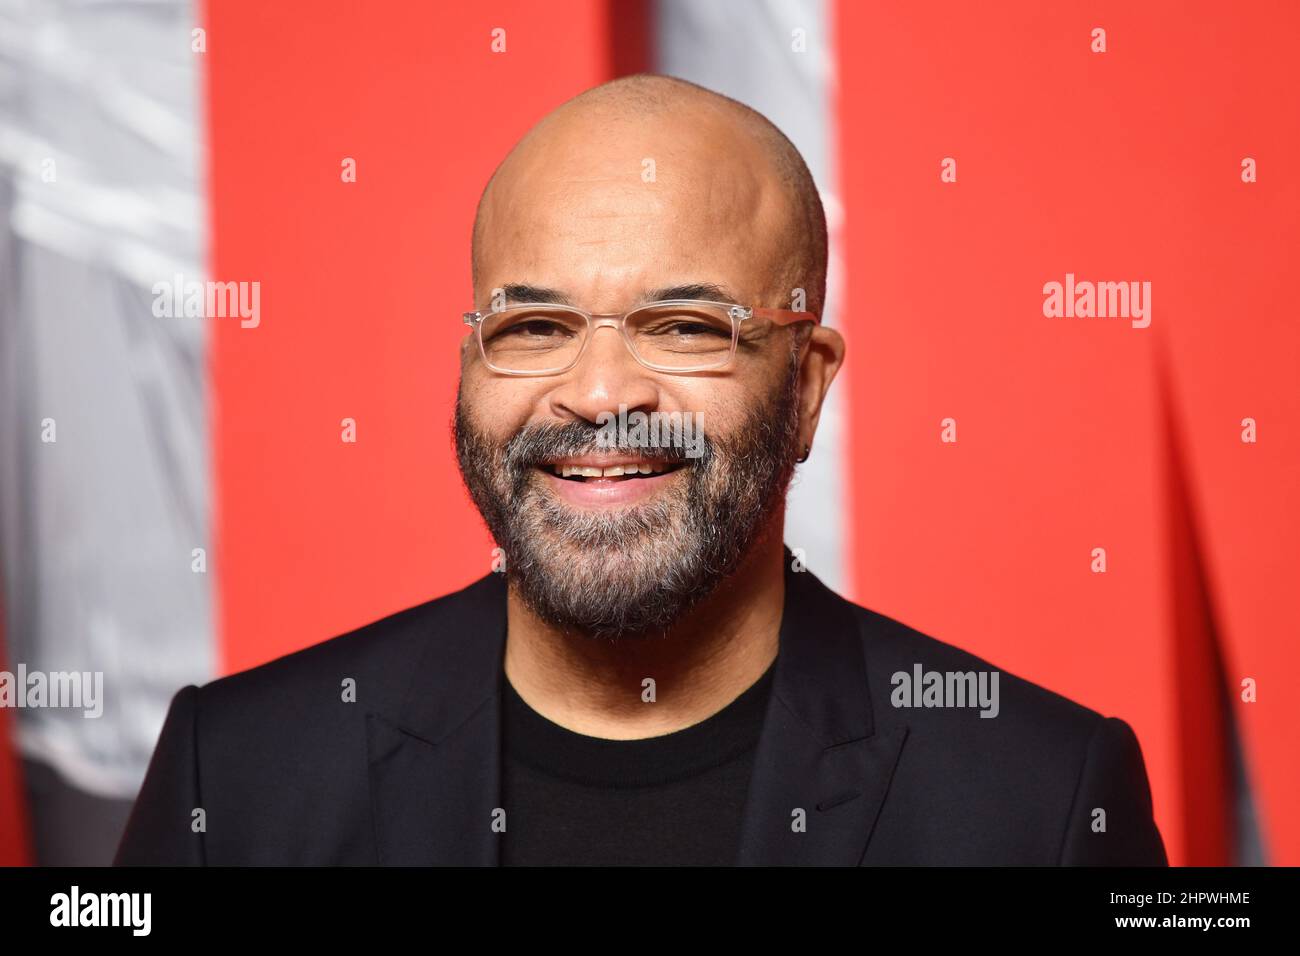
607	375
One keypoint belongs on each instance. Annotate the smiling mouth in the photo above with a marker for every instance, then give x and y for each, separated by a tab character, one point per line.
623	471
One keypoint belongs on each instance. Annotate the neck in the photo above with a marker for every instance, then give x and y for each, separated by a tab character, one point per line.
722	645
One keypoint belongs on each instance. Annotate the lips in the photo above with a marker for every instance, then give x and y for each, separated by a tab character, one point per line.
602	482
589	470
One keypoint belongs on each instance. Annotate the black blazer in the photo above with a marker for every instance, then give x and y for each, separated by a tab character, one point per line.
286	772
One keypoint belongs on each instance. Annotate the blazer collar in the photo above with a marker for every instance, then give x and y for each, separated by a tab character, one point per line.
824	761
821	770
435	769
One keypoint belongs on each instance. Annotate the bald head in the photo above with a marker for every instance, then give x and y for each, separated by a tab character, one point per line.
644	189
656	174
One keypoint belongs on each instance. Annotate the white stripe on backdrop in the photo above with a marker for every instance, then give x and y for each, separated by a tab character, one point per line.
100	147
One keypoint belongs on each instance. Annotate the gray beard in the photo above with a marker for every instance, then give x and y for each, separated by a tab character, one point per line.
635	572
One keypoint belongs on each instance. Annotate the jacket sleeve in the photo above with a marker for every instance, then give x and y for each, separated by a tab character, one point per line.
1113	792
160	830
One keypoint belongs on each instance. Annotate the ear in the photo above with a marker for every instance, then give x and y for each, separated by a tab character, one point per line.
468	347
821	356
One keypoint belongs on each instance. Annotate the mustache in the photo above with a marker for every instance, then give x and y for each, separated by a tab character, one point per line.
543	442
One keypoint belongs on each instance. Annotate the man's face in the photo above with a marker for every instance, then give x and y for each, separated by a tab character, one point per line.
579	211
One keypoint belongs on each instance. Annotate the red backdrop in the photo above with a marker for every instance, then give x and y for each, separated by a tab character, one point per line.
1123	165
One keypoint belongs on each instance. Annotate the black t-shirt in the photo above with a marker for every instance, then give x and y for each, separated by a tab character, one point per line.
671	800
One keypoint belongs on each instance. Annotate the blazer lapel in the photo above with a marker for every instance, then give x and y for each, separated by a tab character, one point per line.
435	766
823	764
820	777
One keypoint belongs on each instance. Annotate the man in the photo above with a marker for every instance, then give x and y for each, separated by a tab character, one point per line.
654	679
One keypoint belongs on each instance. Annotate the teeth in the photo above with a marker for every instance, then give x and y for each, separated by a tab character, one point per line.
614	471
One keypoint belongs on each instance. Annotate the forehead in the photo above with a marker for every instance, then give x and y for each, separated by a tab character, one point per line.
596	208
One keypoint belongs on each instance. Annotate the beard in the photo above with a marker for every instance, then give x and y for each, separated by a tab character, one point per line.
633	571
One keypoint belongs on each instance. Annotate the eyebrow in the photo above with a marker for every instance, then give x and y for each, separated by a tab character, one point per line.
518	292
707	291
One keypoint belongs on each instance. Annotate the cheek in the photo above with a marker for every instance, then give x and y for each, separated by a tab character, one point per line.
496	407
721	403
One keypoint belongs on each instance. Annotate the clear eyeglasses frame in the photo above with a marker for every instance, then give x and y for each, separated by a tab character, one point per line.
579	323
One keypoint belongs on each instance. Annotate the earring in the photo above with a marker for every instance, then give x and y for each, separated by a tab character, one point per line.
807	450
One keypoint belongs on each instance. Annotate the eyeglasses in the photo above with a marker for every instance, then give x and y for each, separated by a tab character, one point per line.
674	335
